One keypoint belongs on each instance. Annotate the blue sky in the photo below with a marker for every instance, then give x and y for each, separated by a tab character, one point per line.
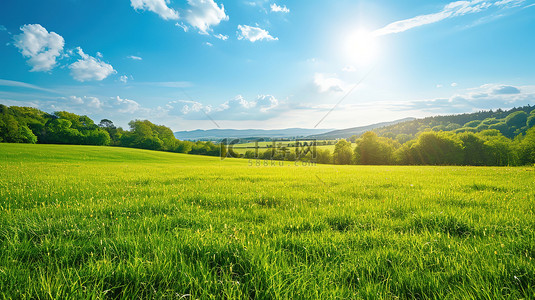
266	63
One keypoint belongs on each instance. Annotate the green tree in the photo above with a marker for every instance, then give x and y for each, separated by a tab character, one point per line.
526	148
342	152
531	120
474	149
438	148
373	150
323	156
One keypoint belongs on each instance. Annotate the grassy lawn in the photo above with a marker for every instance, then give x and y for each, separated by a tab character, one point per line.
98	222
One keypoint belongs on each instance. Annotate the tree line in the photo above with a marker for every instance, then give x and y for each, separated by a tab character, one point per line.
476	143
485	148
30	125
510	123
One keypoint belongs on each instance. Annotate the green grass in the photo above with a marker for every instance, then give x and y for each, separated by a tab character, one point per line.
263	146
101	222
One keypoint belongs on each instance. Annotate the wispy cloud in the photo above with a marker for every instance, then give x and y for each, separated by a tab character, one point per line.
451	10
24	85
133	57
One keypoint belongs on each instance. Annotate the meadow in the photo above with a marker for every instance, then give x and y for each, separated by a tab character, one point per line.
263	146
88	222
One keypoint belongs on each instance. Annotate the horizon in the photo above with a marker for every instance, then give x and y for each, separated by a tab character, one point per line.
268	65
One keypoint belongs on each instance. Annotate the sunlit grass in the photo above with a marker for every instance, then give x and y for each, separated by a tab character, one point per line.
93	222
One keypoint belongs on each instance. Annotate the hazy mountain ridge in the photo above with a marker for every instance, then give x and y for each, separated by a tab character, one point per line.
347	133
217	134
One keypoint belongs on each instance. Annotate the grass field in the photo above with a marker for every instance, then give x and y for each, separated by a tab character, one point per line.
263	146
97	222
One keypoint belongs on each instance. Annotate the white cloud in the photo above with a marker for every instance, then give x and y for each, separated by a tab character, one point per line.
91	102
277	8
450	10
329	83
266	102
157	6
89	68
133	57
253	34
3	28
439	86
94	102
24	85
209	44
454	84
41	47
487	96
203	14
76	100
124	105
221	37
238	108
123	78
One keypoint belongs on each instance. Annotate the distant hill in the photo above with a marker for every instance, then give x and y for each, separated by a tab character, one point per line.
217	134
510	123
347	133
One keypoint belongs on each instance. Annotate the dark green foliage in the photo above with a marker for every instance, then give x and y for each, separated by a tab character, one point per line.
531	120
517	119
527	148
438	149
13	129
474	151
515	125
30	125
472	124
68	128
501	127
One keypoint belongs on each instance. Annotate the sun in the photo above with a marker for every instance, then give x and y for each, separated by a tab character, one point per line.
362	47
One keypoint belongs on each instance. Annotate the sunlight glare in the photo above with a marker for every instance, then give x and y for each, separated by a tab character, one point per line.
362	47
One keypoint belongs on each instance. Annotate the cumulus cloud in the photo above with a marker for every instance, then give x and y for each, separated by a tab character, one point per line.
94	102
329	83
89	68
254	34
86	101
124	105
488	96
203	14
506	90
236	108
133	57
277	8
40	46
450	10
454	84
157	6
